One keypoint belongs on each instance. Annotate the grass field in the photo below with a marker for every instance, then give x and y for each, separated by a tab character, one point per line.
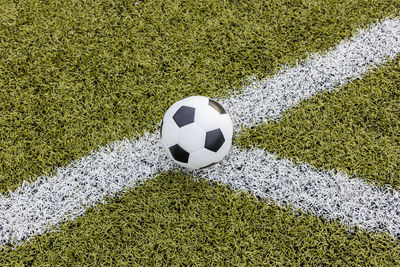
77	77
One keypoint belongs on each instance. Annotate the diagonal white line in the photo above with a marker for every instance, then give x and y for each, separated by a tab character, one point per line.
265	100
323	193
30	209
49	200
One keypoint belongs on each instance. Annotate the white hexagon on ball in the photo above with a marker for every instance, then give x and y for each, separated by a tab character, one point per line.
202	158
196	132
169	135
191	137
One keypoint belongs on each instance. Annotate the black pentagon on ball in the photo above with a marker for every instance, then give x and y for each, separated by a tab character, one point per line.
216	106
184	116
214	140
179	154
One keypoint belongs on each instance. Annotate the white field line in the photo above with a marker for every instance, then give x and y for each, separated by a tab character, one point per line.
320	192
265	100
30	209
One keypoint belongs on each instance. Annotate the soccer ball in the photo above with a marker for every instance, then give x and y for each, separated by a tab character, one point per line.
196	132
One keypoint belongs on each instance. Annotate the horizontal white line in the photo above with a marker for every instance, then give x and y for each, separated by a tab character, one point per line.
30	209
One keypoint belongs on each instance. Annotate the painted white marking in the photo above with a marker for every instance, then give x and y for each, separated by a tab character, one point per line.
265	100
320	192
30	209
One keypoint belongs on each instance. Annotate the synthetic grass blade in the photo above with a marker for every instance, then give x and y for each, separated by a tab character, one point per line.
32	207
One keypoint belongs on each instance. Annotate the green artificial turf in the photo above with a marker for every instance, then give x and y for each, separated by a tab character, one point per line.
355	129
76	75
175	220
